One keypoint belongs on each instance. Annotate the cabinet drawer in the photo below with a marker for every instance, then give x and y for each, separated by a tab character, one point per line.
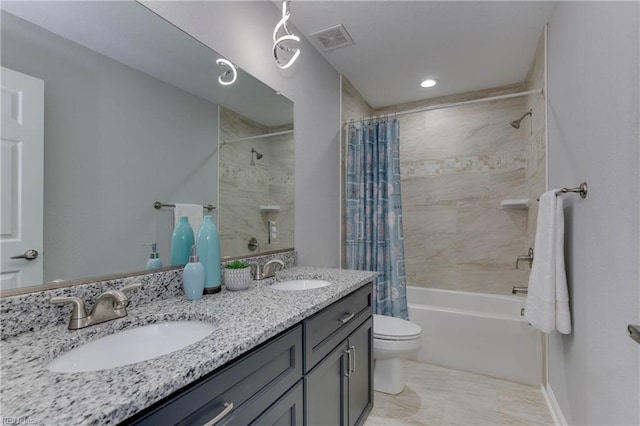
287	411
250	384
326	329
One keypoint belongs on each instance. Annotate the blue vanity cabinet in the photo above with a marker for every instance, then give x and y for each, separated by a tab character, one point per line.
338	389
259	385
319	372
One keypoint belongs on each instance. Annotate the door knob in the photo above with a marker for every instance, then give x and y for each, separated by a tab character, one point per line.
29	255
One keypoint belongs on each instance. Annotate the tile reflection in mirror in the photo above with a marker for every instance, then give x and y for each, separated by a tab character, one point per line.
256	184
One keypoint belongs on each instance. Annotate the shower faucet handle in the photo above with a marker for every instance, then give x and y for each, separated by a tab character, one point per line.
526	257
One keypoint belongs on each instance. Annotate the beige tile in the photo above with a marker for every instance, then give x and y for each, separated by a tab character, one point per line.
490	218
456	187
507	184
427	219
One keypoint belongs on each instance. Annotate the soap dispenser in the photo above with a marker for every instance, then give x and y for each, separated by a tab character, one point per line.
154	261
193	277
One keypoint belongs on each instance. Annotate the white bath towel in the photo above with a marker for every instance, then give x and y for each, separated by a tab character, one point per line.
547	303
194	213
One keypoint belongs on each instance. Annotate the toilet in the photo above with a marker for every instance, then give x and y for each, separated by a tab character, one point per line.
394	339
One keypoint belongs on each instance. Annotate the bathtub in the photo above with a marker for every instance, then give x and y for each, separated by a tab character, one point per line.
478	333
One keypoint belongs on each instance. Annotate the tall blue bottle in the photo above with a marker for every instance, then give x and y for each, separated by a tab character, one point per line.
181	242
208	243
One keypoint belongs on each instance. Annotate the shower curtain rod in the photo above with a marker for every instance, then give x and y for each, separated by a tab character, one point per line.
265	135
453	104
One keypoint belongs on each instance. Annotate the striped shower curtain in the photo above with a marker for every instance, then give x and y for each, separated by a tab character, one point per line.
374	239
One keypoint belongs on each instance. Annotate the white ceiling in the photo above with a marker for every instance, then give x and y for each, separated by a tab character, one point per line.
466	46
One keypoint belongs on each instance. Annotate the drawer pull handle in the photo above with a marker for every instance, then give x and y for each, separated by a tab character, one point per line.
348	372
228	407
353	348
347	317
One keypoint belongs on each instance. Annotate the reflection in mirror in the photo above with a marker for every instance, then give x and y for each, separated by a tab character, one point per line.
256	185
130	118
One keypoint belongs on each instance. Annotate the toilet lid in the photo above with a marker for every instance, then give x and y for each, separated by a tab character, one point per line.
389	328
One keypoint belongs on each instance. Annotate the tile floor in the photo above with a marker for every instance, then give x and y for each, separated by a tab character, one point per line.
440	396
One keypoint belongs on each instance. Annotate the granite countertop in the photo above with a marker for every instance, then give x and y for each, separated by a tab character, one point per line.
244	318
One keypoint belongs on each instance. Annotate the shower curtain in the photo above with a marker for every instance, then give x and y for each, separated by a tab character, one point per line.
374	239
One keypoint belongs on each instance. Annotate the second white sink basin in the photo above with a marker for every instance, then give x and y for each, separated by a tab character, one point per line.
131	346
300	284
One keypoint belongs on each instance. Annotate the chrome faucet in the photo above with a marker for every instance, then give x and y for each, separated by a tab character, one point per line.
526	258
110	305
268	270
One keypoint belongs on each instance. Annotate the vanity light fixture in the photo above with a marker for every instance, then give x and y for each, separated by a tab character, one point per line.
428	83
231	71
278	46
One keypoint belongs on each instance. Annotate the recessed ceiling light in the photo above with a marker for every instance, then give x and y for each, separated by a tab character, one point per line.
428	83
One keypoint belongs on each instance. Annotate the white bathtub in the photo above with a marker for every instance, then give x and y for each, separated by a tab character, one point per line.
478	333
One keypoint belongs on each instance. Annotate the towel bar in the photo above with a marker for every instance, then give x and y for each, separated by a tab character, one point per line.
582	190
158	205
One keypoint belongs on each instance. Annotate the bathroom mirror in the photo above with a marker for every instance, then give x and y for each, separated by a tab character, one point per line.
132	113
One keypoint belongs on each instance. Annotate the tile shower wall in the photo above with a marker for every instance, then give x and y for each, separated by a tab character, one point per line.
535	145
244	187
457	165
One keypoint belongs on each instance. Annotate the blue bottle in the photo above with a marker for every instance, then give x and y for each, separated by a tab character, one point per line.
193	277
154	261
208	243
181	242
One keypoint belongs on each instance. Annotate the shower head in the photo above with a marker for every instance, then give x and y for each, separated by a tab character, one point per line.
258	156
516	123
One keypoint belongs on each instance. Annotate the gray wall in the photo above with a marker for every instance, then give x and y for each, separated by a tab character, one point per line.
116	140
593	136
241	31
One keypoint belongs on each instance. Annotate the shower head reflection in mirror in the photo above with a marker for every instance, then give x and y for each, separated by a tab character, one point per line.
258	156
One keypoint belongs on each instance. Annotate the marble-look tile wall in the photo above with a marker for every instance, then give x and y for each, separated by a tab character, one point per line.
457	165
535	148
245	187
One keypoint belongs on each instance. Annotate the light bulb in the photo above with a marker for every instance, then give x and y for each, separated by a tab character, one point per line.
428	83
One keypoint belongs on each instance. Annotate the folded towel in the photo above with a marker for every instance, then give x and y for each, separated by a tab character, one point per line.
194	213
547	303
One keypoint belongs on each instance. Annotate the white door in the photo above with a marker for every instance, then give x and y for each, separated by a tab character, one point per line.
21	171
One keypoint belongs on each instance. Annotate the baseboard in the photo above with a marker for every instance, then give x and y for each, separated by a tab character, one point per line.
554	407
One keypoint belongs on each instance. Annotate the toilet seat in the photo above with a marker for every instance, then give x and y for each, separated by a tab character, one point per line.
394	329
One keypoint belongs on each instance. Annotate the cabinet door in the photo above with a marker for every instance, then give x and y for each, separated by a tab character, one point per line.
361	373
326	390
287	411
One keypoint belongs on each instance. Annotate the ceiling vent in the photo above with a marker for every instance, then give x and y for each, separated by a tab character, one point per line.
332	38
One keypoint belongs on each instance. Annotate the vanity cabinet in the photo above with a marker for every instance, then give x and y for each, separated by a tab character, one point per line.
319	372
339	390
242	392
339	362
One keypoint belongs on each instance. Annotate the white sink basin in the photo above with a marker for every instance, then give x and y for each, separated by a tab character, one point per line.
300	284
131	346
